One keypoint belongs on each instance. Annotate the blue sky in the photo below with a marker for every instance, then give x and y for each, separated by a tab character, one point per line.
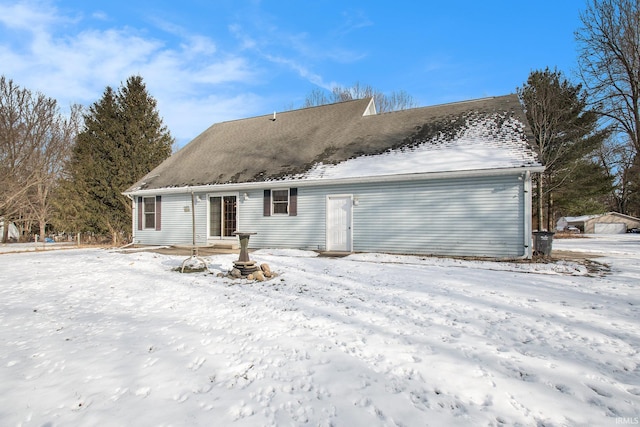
211	61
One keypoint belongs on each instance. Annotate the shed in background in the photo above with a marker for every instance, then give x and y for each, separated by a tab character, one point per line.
609	223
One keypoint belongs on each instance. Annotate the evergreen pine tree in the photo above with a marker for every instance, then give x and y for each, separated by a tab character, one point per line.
567	135
584	189
122	140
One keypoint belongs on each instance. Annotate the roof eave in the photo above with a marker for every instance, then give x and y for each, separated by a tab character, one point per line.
336	181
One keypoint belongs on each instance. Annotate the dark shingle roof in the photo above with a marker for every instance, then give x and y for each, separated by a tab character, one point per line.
260	148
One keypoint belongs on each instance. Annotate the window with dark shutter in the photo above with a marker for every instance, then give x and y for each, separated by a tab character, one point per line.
149	212
266	210
281	202
158	213
293	201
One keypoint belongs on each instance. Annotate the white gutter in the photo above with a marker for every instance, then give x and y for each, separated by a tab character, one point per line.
336	181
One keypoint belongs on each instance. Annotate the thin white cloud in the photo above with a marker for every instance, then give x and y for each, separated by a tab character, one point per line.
73	56
247	42
75	67
29	16
353	21
298	51
193	43
100	16
301	70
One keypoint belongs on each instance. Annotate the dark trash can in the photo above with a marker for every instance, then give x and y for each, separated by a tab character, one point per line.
542	241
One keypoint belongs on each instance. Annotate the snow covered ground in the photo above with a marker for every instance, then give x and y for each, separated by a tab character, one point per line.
95	337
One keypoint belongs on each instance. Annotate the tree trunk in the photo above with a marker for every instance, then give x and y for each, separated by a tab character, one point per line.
5	232
550	213
540	202
43	225
114	234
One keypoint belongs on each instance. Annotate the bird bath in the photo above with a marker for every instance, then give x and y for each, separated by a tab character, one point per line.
244	264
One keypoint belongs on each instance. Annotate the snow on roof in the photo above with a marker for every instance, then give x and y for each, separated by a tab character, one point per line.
469	150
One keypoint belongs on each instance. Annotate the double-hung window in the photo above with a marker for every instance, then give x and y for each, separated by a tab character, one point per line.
149	208
149	214
281	202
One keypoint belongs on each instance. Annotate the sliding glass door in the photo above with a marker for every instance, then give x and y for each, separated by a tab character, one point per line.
223	216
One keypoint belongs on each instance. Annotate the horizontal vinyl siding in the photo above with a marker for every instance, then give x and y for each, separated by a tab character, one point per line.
176	222
480	216
303	231
462	217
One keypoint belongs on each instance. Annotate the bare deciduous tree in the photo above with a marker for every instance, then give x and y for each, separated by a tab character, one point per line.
16	105
609	62
54	150
617	159
395	101
34	141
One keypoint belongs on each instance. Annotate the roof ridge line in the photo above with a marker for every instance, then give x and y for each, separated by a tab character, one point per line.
291	111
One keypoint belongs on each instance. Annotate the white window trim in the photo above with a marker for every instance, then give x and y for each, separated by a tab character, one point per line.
288	190
144	213
208	197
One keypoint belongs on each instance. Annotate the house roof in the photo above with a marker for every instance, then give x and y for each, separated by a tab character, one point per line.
585	218
345	140
582	218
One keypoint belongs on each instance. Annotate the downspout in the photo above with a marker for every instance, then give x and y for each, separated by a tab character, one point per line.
528	212
193	220
133	218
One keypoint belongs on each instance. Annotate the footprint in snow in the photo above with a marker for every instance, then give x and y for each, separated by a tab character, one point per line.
240	411
563	388
206	406
150	362
600	392
119	393
197	363
143	391
264	395
419	399
181	397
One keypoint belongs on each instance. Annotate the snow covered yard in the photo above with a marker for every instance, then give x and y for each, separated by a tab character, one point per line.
95	337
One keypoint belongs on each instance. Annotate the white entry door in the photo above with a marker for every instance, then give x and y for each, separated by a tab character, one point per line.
339	223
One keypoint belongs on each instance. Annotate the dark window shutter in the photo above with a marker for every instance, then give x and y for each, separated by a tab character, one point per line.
267	203
139	213
293	201
158	212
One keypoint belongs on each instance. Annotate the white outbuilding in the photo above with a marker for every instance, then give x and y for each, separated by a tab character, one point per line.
14	233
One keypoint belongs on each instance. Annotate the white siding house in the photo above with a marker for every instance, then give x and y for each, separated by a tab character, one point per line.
452	180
